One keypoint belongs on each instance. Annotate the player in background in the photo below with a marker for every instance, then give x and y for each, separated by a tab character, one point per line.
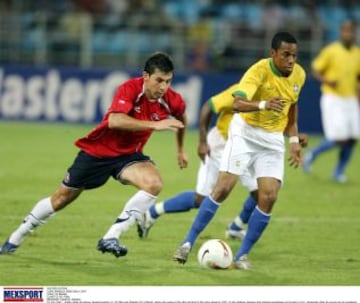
210	150
114	149
337	68
266	101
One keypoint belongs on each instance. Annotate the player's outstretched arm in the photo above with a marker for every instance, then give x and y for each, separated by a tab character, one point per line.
241	104
123	121
167	124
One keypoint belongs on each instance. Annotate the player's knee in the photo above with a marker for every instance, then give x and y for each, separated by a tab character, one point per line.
153	186
61	198
220	193
267	200
270	197
198	199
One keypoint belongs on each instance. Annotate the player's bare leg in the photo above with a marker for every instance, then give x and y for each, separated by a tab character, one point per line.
145	177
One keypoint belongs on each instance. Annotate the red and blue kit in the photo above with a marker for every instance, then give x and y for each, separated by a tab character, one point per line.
130	99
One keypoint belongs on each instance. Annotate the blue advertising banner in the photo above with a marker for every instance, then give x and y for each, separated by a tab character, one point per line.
83	96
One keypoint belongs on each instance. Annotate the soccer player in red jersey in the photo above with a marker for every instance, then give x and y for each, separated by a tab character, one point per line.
114	149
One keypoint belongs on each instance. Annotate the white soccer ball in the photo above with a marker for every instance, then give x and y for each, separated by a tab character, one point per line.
215	254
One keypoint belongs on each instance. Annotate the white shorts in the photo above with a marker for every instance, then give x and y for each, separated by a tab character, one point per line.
253	150
340	117
209	170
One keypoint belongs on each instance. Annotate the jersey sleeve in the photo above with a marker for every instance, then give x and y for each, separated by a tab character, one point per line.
223	100
123	99
177	104
302	79
250	82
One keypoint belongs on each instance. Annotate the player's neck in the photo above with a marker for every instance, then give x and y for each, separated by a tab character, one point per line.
347	45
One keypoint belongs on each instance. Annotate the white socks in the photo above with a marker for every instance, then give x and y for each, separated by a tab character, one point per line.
238	222
159	208
39	214
134	210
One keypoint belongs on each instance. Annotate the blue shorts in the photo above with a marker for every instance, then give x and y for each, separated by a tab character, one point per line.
88	172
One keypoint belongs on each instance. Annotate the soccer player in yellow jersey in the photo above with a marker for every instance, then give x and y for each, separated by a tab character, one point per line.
210	149
337	68
266	98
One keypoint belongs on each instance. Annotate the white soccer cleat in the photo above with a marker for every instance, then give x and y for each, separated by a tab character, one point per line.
143	226
342	179
182	253
242	263
235	234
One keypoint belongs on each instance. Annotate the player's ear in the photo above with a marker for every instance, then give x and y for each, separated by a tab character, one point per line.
145	75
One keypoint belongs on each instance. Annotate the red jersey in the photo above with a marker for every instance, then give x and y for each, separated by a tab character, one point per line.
131	100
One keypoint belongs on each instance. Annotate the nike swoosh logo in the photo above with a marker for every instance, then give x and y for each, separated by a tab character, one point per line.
204	254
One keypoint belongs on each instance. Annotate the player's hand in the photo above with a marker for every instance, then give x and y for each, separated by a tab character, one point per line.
303	140
276	104
203	151
168	124
295	158
182	159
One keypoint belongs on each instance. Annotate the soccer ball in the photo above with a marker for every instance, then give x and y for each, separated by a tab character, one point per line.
215	254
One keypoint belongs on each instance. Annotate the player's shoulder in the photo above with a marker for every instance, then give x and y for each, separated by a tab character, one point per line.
299	69
131	87
298	74
175	102
261	64
134	83
332	47
259	68
357	48
172	95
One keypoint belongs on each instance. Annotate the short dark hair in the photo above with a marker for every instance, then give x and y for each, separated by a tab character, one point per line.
160	61
282	37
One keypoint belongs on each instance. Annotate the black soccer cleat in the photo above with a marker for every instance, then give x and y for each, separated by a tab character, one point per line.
112	246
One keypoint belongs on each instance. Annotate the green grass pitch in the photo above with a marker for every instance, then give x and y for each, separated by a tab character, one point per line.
313	237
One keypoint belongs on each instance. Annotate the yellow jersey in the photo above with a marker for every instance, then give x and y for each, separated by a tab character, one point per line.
263	81
221	104
340	64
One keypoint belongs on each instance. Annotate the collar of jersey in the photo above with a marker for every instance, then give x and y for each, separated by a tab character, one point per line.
274	69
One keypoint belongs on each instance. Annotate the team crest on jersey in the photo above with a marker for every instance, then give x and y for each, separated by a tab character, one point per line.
154	117
296	88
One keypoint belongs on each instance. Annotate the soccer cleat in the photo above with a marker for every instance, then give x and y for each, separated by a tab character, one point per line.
308	160
182	253
235	234
112	246
340	178
144	226
242	263
8	248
